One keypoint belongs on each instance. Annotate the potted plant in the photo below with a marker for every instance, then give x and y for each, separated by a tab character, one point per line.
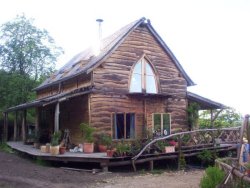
104	140
122	149
88	138
170	146
54	148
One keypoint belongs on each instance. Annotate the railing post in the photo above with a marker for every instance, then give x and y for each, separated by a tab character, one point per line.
179	151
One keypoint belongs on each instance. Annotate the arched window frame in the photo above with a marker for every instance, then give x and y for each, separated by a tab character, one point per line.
145	61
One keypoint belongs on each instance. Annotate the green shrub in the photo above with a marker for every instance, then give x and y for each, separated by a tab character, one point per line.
213	176
5	148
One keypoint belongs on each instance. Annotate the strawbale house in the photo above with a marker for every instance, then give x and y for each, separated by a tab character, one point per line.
134	85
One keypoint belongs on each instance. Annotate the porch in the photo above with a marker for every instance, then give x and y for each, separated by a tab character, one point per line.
142	157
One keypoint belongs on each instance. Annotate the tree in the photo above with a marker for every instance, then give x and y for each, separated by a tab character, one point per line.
27	55
227	118
26	49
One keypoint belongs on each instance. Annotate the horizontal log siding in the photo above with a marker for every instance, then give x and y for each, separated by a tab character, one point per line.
113	78
103	105
66	86
72	113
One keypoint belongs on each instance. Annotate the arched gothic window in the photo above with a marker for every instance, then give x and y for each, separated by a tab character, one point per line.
143	79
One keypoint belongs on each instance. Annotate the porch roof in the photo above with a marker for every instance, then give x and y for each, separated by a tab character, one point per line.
204	103
50	100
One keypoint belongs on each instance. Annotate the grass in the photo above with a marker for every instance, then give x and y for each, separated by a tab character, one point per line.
41	162
5	148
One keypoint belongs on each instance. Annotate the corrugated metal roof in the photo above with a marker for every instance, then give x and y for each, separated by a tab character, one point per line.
86	61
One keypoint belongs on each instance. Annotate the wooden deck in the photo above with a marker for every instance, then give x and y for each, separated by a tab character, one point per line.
105	162
100	158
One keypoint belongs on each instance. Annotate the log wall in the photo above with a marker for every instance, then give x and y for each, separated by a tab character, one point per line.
113	79
104	105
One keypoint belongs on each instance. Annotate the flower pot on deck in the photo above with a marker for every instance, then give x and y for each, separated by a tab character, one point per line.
62	150
169	149
54	150
110	152
102	148
88	147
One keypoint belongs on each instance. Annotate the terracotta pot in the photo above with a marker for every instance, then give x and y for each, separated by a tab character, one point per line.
110	153
102	148
88	147
169	149
62	150
54	150
37	145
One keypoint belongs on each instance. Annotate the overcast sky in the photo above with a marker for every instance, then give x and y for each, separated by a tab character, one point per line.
211	39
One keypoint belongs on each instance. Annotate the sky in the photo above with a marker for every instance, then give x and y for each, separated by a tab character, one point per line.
210	38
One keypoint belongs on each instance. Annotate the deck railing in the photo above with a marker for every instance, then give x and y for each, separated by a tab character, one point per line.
198	138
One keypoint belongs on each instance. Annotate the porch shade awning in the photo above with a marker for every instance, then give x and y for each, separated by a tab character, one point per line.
205	104
49	100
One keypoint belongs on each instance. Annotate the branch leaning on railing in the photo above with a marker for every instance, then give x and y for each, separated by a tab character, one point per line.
181	134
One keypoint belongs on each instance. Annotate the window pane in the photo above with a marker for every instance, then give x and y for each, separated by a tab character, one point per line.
166	124
130	126
150	84
137	68
119	126
157	124
149	70
135	85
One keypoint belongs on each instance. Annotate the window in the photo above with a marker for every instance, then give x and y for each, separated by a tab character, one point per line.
143	78
123	126
161	124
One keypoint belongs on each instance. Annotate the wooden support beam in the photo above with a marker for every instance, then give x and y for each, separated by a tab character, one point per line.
15	126
57	116
151	165
179	152
24	125
37	120
5	127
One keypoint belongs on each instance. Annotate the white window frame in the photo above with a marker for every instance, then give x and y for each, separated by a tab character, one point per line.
153	124
144	61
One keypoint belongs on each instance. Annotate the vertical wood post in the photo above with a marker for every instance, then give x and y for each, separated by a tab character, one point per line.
24	126
151	165
179	152
243	127
211	118
57	115
15	126
5	127
37	121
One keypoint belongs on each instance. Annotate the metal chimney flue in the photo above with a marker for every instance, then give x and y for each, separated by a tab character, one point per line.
99	21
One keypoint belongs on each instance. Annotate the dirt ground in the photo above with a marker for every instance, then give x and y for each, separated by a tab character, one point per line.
18	172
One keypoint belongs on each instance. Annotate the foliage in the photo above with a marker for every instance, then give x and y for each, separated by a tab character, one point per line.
182	162
55	138
213	176
122	149
193	115
26	49
247	165
236	183
104	139
206	156
227	118
27	55
87	132
136	146
5	148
